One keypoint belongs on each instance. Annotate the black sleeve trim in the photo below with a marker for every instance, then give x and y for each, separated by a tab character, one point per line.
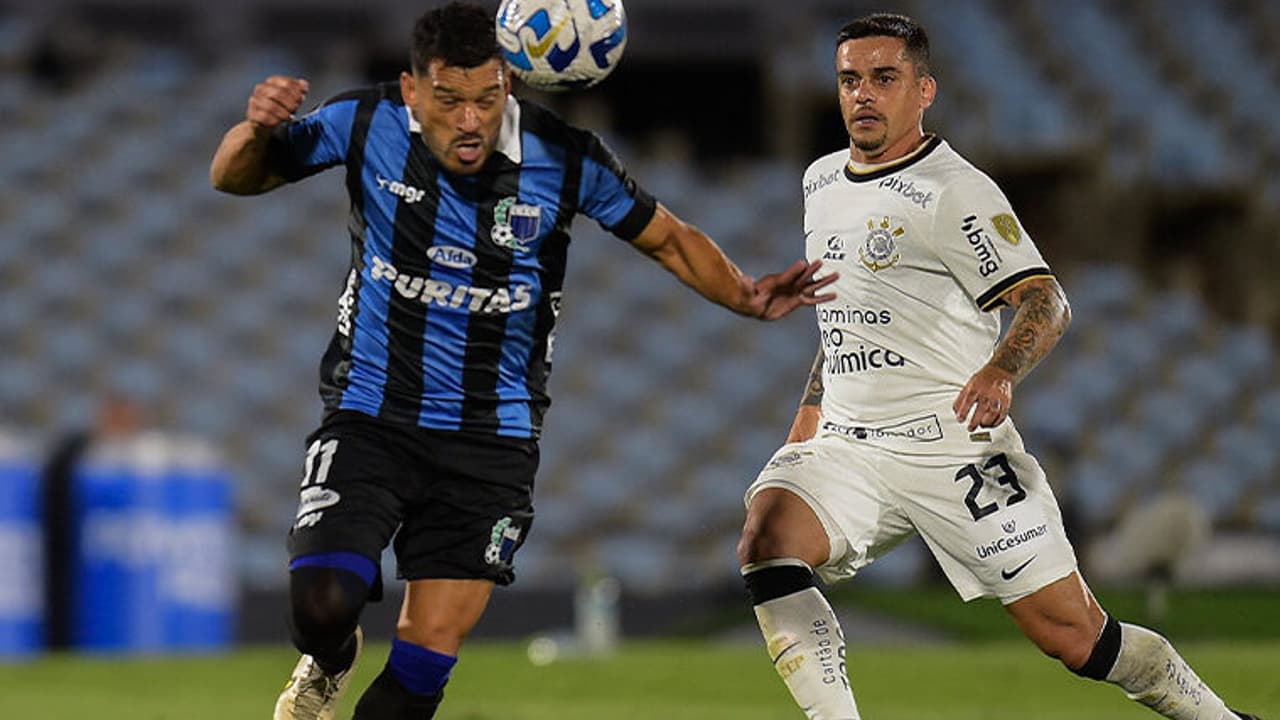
994	297
278	159
638	217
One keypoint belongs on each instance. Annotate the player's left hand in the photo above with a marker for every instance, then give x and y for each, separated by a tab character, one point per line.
777	294
988	395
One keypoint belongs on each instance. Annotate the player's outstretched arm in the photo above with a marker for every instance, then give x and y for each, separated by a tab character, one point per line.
239	165
1041	317
698	262
805	425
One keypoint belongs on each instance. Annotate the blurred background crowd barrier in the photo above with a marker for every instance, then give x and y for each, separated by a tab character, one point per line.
119	544
1136	140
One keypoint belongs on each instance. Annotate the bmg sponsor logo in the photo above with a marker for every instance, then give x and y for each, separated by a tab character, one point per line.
988	256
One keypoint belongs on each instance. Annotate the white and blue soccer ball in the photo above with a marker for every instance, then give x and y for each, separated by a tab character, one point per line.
562	44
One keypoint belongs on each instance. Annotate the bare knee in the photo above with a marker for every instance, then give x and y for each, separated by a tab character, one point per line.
781	525
434	633
758	544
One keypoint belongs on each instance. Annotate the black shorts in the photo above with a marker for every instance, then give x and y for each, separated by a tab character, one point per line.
462	503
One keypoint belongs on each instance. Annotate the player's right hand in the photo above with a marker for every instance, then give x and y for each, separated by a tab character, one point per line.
275	100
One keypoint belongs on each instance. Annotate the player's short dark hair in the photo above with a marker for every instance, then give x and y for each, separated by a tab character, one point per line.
462	34
892	25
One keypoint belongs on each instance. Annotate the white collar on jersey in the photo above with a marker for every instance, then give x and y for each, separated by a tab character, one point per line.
508	136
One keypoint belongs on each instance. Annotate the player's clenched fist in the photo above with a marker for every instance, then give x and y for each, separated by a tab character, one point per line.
275	100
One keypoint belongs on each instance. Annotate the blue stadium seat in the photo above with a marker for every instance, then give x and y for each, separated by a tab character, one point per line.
1180	318
1217	487
1247	353
1096	490
1171	416
1266	407
1098	290
1268	513
640	561
1133	453
1248	451
1203	379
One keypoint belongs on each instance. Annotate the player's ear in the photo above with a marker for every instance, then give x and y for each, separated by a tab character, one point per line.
506	78
408	89
928	91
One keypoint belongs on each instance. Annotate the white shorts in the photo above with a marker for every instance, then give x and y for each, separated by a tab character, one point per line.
990	517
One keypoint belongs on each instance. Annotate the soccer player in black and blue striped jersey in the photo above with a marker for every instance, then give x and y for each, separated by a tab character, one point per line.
434	384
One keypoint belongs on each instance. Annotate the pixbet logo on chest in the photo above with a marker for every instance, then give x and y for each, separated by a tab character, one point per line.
908	190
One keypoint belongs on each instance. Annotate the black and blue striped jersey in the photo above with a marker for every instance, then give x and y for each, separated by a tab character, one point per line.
455	281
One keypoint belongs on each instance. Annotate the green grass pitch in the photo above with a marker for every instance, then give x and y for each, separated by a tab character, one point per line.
661	680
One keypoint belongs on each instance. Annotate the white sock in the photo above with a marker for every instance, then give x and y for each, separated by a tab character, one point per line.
806	645
1151	672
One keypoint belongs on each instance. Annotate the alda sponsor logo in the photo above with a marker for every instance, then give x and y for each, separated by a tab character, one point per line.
453	257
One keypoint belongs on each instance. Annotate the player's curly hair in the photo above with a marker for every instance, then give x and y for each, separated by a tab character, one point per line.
462	34
892	25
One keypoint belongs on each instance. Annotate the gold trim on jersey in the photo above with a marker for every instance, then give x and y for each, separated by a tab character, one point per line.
928	144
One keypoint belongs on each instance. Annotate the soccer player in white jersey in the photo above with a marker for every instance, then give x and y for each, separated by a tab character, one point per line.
904	425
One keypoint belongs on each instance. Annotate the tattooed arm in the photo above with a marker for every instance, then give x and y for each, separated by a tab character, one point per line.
1041	317
805	425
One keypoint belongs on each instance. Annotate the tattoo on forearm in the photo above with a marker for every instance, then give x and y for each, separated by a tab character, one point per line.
1037	326
813	389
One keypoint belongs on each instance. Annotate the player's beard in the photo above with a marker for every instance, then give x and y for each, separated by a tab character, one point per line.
870	146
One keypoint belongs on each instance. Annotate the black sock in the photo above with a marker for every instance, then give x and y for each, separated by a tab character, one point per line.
339	660
387	699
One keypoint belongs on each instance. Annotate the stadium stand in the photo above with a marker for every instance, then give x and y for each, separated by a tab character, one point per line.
125	272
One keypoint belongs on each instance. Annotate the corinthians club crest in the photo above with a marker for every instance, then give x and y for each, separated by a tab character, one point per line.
879	251
515	224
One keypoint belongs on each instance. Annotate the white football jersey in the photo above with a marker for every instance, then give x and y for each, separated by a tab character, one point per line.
925	246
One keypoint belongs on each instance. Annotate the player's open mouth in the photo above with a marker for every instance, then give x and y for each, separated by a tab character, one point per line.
468	150
866	119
